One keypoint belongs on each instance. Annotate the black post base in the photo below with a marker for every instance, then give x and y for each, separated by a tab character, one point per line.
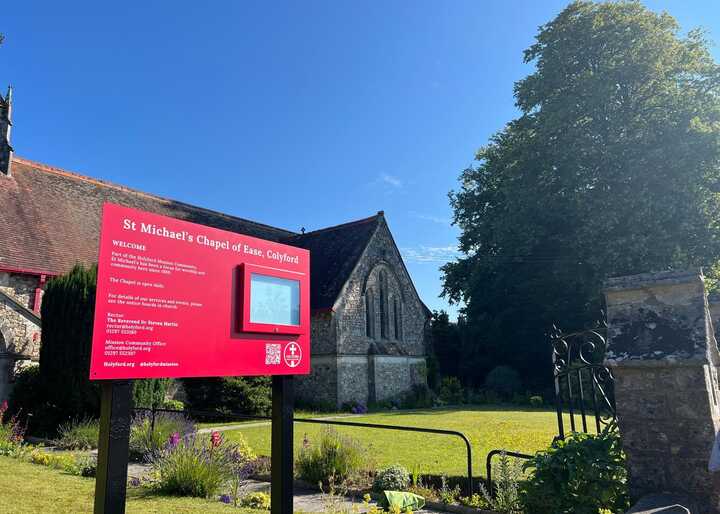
112	466
282	445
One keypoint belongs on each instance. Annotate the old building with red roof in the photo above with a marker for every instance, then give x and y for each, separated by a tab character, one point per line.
369	327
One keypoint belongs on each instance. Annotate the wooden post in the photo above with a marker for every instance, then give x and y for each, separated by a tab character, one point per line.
112	466
282	445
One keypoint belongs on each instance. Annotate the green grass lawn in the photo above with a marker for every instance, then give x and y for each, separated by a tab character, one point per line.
487	427
29	488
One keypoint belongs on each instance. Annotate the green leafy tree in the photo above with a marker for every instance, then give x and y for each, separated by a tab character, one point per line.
611	168
446	345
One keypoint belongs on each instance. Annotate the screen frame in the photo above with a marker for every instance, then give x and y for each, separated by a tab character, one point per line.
246	325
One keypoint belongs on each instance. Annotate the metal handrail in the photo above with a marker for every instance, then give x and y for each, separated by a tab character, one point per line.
492	453
438	431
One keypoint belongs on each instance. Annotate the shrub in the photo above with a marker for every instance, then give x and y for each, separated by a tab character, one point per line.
419	397
536	401
355	407
12	432
144	439
248	395
451	390
506	497
26	395
257	500
492	397
196	465
173	405
65	390
243	449
150	392
78	435
393	478
475	396
446	494
504	380
87	465
335	456
580	475
80	465
476	501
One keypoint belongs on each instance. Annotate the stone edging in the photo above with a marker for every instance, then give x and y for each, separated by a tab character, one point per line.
444	507
459	509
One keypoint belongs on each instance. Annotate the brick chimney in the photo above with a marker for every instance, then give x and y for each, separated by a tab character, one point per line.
6	150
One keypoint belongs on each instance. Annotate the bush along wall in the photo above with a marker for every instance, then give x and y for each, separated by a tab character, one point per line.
247	395
150	393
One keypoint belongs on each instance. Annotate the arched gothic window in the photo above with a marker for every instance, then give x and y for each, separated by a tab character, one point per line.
383	306
369	314
397	317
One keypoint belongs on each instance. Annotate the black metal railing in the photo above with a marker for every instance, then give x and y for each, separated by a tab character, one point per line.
493	453
238	416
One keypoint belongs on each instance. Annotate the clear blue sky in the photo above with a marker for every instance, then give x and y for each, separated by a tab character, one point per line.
305	113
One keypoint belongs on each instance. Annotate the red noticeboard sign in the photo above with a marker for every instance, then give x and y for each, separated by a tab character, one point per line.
178	299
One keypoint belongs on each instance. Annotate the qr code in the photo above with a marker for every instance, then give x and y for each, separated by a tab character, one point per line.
272	354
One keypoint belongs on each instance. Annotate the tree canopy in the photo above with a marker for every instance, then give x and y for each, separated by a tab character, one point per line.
611	168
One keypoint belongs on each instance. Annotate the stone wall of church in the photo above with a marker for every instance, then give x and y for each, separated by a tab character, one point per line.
352	380
20	332
348	366
319	388
381	254
323	334
397	352
395	373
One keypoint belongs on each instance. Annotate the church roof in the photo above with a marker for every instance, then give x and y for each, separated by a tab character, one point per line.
334	252
50	221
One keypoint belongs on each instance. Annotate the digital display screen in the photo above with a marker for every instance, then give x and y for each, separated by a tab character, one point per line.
274	301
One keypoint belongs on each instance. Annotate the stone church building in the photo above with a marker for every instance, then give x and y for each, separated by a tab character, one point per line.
370	330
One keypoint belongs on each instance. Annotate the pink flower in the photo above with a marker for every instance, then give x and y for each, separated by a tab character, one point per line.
216	439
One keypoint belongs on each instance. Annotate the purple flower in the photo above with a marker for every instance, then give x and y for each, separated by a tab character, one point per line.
225	498
359	408
134	482
174	440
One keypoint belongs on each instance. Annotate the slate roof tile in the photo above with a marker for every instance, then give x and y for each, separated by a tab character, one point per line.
50	220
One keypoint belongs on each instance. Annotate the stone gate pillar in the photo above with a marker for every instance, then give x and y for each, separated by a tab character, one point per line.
663	354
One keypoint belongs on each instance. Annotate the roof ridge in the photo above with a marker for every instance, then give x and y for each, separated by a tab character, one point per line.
343	225
71	174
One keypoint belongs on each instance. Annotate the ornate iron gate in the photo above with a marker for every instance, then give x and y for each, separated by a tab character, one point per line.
584	386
